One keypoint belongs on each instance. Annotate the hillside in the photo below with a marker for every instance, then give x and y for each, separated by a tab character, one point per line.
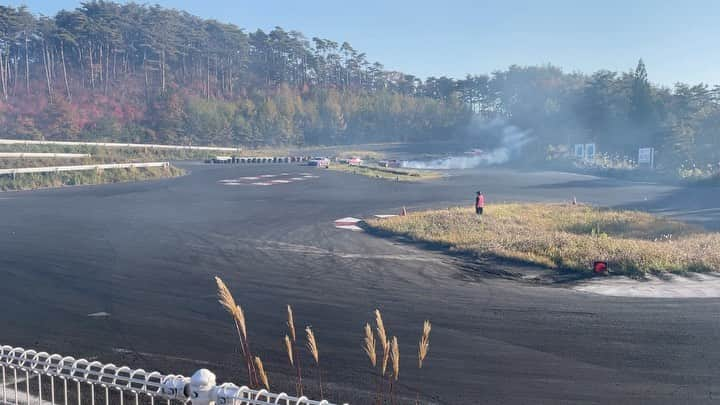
150	74
130	72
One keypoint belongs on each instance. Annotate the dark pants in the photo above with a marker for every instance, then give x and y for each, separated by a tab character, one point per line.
479	210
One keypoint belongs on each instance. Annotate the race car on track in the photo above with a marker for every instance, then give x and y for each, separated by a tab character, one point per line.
354	161
319	162
393	163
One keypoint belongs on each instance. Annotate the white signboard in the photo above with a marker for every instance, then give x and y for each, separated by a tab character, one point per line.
589	151
646	156
580	151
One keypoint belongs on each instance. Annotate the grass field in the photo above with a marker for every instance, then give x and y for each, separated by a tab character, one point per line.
12	163
386	174
31	181
99	155
362	154
563	236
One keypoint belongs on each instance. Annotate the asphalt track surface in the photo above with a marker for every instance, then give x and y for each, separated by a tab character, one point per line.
146	253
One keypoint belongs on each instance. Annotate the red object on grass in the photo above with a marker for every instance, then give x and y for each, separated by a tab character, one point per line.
600	267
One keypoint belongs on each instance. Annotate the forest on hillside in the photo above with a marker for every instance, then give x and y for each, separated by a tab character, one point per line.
151	74
143	73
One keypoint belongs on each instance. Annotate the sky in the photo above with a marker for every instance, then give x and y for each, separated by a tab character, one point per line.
676	39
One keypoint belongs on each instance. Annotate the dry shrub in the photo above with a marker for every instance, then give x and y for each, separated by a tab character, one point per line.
291	322
384	342
424	345
369	345
395	356
566	236
289	350
261	373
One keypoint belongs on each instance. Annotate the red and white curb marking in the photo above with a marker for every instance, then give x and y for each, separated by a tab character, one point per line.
348	223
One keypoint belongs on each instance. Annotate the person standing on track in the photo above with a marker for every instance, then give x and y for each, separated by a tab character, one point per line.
479	203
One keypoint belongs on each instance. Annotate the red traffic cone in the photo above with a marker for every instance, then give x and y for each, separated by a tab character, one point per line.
600	267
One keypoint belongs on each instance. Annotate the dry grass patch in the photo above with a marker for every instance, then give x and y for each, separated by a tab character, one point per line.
566	237
31	181
387	174
362	154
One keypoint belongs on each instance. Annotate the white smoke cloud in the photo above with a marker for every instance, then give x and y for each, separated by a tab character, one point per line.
512	140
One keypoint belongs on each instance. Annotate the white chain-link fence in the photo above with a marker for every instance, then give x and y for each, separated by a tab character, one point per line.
31	377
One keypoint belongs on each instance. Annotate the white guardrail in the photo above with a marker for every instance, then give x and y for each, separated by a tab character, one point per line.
42	155
53	169
115	145
31	377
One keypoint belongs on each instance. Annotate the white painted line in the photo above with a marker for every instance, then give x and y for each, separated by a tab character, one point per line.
250	178
297	179
267	176
348	219
384	216
280	181
349	227
101	314
262	184
230	182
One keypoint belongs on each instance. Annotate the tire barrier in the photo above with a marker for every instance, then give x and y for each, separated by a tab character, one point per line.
257	159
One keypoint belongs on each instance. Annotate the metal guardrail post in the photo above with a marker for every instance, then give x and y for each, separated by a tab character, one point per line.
202	388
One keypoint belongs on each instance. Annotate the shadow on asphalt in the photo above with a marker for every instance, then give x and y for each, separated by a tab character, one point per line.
590	183
690	204
478	267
